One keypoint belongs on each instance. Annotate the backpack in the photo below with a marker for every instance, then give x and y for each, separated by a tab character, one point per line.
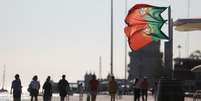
29	88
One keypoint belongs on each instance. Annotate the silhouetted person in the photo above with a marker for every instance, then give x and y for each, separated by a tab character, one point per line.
34	87
47	90
81	91
63	87
112	88
17	88
155	89
120	91
144	88
93	87
137	90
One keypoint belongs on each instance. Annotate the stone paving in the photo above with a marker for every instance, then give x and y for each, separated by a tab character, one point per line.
76	98
107	98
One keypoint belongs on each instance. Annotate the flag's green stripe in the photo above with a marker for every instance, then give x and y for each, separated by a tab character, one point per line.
149	18
156	32
155	23
154	14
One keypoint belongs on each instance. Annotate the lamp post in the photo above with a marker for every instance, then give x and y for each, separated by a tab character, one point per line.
179	50
125	75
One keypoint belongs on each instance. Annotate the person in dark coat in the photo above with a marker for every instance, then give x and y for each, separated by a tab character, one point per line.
144	88
81	91
63	87
94	83
137	90
16	88
34	87
47	90
113	87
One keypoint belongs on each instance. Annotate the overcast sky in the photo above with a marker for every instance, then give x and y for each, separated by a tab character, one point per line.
55	37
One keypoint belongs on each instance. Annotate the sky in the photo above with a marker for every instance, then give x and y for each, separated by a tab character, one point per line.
55	37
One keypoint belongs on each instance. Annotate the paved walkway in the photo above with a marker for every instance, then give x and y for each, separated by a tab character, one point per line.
76	98
106	98
101	98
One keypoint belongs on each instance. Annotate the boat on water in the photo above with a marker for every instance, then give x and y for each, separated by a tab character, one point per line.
3	90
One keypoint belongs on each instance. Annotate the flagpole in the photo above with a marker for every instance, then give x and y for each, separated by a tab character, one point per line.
125	44
169	48
170	31
111	37
125	48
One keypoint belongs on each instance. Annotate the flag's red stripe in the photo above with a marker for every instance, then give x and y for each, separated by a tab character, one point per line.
139	40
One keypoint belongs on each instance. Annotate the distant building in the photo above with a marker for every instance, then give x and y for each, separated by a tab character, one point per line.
183	66
183	71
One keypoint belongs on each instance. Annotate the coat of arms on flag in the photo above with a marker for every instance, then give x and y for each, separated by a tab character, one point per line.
144	23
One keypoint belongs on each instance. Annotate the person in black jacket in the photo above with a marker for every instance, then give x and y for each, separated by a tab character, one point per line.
16	88
34	87
63	87
47	90
137	90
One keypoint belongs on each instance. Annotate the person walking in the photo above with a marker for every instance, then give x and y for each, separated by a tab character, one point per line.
120	91
93	83
47	90
81	91
63	87
16	88
137	90
112	88
34	87
144	88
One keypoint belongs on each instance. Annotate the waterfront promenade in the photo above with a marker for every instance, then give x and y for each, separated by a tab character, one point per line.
106	98
76	98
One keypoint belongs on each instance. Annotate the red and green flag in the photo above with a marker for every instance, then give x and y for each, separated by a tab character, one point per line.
144	23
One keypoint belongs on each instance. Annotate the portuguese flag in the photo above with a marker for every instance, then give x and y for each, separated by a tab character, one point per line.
144	24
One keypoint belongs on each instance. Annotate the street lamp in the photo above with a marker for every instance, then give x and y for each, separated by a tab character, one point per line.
179	50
